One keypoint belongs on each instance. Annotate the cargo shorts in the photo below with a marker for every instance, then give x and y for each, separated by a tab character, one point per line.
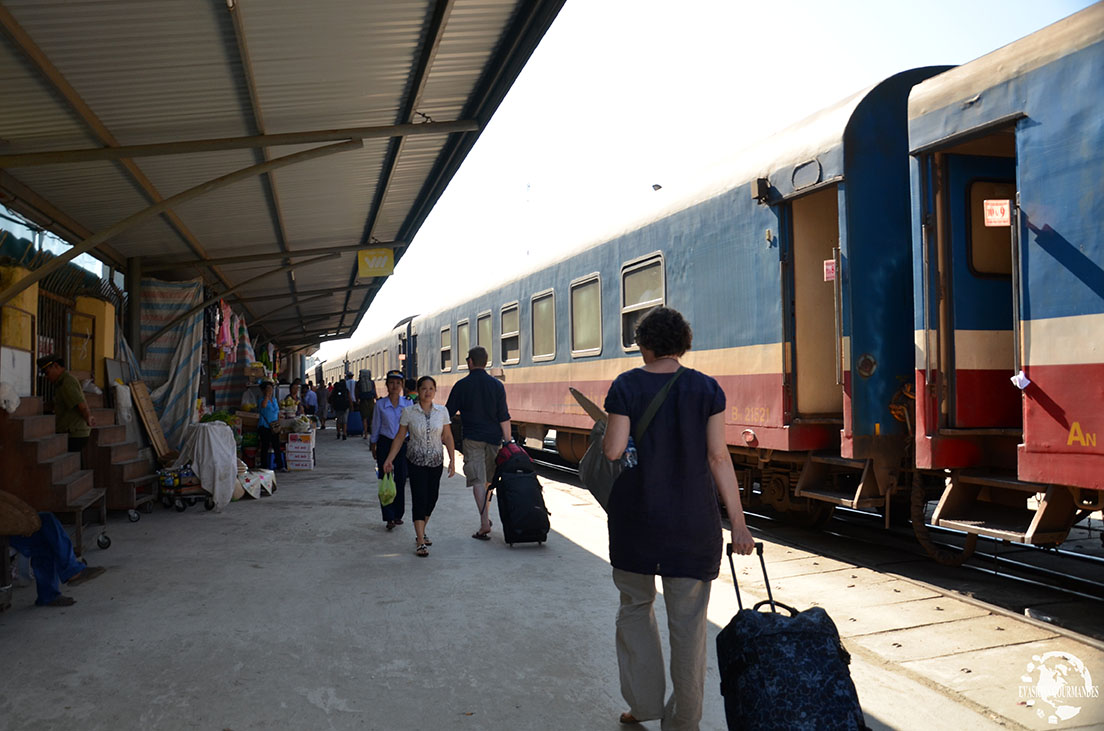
479	462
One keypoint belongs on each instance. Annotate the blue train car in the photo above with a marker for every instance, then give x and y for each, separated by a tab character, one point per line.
794	268
1009	279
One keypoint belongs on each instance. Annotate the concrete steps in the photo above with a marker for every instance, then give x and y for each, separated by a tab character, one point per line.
38	468
126	478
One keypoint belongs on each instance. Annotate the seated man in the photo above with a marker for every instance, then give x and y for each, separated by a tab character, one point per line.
53	561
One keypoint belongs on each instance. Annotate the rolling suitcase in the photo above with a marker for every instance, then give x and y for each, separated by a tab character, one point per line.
520	497
785	672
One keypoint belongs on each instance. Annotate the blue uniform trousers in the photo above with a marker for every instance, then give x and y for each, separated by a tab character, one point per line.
52	558
396	509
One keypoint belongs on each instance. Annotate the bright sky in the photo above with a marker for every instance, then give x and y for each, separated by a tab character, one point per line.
622	94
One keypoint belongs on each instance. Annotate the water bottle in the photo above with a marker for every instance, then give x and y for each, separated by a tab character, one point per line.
628	459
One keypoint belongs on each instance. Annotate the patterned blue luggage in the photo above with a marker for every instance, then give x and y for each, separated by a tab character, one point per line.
785	672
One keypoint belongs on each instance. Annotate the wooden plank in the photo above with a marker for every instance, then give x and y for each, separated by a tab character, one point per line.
139	394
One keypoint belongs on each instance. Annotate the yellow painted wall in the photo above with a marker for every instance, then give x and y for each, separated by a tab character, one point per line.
16	328
103	335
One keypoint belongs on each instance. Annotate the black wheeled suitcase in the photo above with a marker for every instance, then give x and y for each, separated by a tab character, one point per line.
785	672
520	500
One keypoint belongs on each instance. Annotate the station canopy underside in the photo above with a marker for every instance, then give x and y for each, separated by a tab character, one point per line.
339	122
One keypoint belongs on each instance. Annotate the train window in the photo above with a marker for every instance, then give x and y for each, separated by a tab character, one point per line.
446	349
990	246
543	308
511	338
641	290
586	316
386	364
483	334
462	345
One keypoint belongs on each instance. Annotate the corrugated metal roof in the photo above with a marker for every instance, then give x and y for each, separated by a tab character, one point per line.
92	73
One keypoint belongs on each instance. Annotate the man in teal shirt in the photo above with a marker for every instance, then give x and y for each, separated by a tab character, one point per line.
71	413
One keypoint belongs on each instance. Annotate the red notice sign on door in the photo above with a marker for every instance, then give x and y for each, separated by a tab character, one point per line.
998	213
829	270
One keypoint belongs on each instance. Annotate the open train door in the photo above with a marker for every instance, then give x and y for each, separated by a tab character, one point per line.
977	272
980	409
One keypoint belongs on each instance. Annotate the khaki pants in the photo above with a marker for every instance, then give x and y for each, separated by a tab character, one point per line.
640	653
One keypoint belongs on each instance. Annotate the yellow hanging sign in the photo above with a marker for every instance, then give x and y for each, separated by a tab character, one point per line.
375	263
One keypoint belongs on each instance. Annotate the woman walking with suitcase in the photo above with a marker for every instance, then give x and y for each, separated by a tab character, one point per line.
426	423
664	520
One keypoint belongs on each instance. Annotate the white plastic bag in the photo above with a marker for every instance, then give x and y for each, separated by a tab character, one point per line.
124	407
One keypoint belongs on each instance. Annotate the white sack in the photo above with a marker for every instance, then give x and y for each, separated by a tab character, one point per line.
124	407
213	454
9	400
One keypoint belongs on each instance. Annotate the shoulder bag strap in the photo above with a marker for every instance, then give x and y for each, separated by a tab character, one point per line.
653	407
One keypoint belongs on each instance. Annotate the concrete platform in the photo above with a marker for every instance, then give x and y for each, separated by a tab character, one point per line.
301	611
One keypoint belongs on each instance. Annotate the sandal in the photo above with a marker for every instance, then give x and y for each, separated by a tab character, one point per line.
422	550
627	718
426	541
482	536
390	525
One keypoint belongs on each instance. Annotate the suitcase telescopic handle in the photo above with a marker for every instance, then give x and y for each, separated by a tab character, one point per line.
766	581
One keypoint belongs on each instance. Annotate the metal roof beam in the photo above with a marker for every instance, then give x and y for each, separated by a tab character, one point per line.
154	265
304	293
211	300
281	308
96	239
18	197
53	76
435	30
119	152
268	181
310	317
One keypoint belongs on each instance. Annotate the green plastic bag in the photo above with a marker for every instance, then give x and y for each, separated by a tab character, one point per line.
387	489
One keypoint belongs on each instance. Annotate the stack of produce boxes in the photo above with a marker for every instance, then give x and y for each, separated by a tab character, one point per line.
300	451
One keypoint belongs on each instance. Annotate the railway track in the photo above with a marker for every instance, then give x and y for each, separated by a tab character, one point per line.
1061	586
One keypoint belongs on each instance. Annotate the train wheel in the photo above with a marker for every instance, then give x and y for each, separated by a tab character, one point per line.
942	556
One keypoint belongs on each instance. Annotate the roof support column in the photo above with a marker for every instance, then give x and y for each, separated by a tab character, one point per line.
134	300
202	189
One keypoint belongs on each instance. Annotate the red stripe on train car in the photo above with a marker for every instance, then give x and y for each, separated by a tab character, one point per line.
986	398
1064	426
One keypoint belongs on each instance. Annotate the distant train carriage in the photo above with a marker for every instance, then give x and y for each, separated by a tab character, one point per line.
790	267
1008	276
860	323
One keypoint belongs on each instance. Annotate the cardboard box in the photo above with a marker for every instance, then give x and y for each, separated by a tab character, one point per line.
303	451
249	419
296	464
304	438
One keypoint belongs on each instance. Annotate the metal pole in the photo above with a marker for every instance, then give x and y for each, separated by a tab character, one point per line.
134	299
247	258
121	152
281	308
1017	334
304	320
211	185
216	298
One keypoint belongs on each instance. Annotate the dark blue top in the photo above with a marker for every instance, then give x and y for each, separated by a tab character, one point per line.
663	514
481	400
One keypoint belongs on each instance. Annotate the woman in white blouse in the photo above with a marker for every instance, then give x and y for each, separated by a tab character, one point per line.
425	422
